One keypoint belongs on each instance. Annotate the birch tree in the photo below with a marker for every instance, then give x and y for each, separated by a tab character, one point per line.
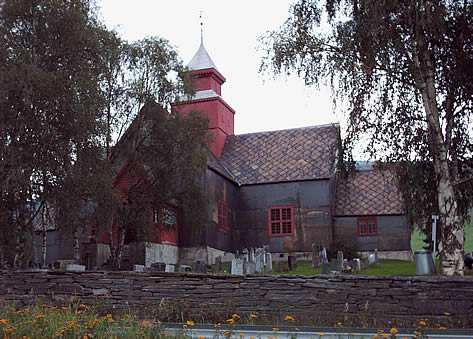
404	70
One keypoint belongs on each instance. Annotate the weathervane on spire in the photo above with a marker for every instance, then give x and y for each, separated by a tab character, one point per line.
201	29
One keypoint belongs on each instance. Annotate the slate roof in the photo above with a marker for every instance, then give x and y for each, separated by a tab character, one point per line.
279	156
372	192
214	164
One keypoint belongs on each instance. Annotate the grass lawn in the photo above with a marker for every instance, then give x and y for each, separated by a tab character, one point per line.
417	239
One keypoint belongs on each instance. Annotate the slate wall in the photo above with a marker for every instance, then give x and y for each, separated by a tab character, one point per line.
312	214
392	299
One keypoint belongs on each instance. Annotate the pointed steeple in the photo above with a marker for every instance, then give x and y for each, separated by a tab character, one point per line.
201	59
208	82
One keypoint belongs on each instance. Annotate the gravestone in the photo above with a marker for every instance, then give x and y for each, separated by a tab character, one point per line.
333	265
356	264
323	254
74	267
139	268
315	256
376	256
158	267
237	266
246	254
169	268
324	267
292	262
199	266
252	254
185	268
277	266
259	254
370	259
339	261
345	263
249	267
218	264
269	262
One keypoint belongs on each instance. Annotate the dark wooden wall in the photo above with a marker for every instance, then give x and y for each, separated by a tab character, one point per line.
393	233
222	189
312	214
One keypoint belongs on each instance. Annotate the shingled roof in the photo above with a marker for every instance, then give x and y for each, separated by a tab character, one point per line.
279	156
371	192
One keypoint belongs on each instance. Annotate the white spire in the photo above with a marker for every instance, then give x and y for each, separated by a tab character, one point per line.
201	59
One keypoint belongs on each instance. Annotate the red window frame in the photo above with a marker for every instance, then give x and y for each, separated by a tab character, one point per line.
281	221
367	226
222	216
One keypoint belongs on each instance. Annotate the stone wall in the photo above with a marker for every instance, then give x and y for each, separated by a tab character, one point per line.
392	299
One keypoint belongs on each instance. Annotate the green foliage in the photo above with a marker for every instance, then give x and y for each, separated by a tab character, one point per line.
348	245
50	105
69	88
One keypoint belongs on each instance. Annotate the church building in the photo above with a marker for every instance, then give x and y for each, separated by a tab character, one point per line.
279	189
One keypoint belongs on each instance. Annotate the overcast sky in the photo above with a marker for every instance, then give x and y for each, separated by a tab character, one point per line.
231	31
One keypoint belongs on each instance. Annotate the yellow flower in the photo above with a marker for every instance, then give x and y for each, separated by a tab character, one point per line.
145	324
289	318
185	326
442	328
3	321
235	316
339	324
416	332
241	335
422	323
254	316
385	336
227	333
230	321
394	331
297	330
447	313
195	332
218	325
375	336
190	323
275	329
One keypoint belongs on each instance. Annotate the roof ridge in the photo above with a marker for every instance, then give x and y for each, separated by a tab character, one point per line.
293	129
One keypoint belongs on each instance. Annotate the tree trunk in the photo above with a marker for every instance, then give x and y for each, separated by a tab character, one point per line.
121	242
76	245
19	252
45	243
452	235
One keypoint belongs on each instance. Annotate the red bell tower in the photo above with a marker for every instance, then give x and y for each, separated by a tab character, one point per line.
208	99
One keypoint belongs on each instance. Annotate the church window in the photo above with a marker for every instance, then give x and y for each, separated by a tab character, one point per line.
281	220
168	216
367	226
222	216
